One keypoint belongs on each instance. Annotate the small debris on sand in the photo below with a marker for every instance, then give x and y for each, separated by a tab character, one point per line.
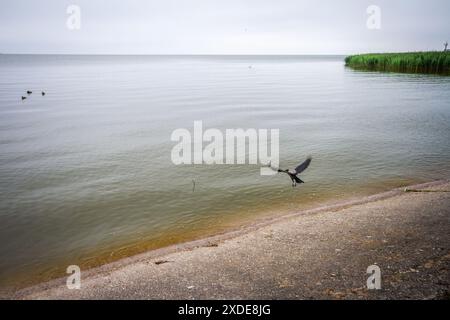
161	262
211	245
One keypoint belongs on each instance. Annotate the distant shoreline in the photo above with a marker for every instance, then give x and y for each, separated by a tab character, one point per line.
432	62
175	54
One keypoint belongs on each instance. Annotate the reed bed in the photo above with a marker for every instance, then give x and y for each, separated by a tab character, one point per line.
409	62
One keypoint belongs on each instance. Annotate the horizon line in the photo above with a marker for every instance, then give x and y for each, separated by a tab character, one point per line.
211	54
178	54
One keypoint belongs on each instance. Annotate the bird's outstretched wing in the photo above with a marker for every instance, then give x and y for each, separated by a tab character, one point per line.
302	167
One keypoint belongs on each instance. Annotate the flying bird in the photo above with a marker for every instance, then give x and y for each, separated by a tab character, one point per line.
23	98
29	92
293	174
43	93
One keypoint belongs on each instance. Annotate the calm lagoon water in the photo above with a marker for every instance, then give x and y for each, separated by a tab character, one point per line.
86	175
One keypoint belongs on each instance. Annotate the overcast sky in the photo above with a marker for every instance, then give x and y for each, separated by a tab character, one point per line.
222	27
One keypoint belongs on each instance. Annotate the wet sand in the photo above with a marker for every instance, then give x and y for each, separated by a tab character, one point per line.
315	254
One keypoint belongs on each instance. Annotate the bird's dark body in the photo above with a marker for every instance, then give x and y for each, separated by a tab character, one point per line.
299	169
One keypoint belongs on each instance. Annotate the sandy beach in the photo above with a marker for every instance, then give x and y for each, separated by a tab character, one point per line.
316	254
